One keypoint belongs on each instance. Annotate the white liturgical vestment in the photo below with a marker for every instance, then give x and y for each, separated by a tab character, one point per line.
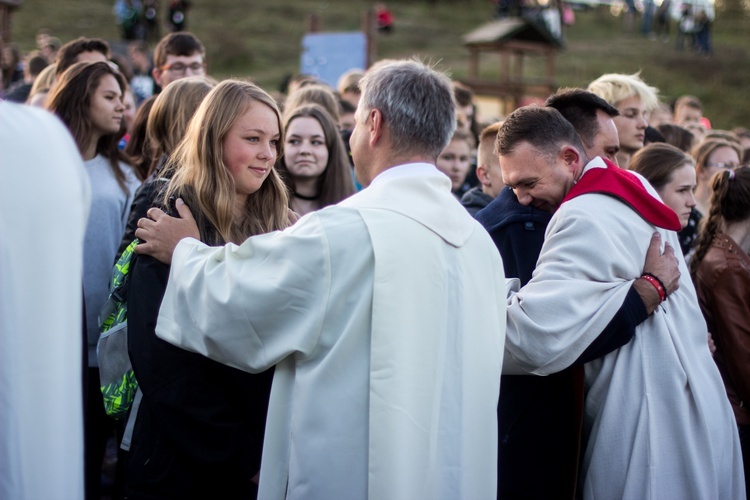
44	205
657	422
385	318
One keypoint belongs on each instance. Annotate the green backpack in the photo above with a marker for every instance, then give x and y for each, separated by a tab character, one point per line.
118	383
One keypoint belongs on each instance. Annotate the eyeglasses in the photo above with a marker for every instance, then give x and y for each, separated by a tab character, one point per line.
730	166
180	69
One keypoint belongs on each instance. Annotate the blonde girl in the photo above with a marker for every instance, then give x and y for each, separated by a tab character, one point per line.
199	430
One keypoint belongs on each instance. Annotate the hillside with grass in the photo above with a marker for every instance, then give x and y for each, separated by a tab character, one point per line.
260	39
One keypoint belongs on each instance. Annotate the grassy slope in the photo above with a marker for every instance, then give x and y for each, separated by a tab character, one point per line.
261	39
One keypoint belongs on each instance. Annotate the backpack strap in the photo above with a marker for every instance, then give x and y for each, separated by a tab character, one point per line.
116	297
110	313
127	436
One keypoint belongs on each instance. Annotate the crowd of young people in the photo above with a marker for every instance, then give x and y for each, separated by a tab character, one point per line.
246	163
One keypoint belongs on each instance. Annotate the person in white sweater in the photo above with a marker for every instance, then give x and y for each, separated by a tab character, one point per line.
88	99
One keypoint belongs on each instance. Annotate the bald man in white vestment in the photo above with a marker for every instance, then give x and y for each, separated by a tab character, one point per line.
44	204
657	422
384	316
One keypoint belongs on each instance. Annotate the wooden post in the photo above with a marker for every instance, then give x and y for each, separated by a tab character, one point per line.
504	66
473	63
312	23
551	69
370	29
6	12
519	67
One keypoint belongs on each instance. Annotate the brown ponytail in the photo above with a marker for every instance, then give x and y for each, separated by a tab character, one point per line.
730	202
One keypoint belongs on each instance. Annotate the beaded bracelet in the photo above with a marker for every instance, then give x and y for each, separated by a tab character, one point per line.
660	282
657	284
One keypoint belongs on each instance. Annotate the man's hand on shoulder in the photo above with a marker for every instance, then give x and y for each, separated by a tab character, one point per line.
665	270
159	233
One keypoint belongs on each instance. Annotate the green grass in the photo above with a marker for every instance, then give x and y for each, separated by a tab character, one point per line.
260	39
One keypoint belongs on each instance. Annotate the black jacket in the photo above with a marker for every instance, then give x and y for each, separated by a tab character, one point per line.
199	430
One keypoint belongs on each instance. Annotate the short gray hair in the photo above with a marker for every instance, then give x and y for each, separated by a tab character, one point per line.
417	104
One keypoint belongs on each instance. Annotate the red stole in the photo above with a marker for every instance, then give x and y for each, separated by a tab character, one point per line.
624	185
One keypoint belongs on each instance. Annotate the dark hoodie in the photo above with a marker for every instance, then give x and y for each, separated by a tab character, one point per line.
518	233
475	199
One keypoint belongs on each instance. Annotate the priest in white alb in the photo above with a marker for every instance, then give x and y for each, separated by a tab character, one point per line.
384	316
657	422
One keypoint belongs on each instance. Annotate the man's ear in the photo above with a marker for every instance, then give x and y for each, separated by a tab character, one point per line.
482	175
572	158
376	126
156	74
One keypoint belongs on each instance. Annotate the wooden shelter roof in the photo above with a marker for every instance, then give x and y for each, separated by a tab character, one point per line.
497	33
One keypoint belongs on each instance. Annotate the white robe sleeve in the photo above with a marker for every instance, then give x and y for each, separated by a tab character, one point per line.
585	269
252	305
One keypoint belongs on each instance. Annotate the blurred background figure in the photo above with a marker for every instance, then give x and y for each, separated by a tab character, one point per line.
47	44
128	14
88	99
10	65
466	110
348	86
384	17
672	173
81	50
677	136
138	149
635	100
663	20
317	93
488	172
178	55
166	124
743	135
687	109
662	114
346	117
20	91
711	156
142	80
41	86
315	166
177	15
151	20
455	162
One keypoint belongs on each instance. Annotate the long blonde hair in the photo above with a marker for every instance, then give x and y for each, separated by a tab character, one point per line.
203	180
171	113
